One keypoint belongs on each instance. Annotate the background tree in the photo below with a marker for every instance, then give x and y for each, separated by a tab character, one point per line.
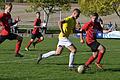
48	6
1	4
103	7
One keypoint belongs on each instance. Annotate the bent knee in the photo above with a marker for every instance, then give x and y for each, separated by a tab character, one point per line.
102	50
95	55
42	38
57	54
74	50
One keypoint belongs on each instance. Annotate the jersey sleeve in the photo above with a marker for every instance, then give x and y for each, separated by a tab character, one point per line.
67	19
35	22
85	26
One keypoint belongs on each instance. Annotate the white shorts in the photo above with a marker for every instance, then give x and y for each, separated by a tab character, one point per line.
64	42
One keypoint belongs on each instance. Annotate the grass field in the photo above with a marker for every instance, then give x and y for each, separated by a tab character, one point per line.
56	68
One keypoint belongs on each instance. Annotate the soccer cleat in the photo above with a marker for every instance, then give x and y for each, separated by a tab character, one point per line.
34	44
99	66
26	49
39	58
19	55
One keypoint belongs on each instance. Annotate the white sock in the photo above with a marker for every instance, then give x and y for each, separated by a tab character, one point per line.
46	55
71	59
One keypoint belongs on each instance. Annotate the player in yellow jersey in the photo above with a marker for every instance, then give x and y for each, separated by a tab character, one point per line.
67	26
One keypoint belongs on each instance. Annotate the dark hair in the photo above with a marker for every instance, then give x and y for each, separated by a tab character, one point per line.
37	12
8	4
95	14
77	10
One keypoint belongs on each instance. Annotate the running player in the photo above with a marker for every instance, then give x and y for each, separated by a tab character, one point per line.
67	26
36	32
98	49
5	24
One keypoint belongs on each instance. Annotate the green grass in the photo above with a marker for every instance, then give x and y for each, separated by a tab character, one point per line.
56	68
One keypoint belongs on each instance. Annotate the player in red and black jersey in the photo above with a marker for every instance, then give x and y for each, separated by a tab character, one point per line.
5	24
91	28
36	32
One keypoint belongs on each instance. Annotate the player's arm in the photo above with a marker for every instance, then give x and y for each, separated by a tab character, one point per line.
37	26
102	30
78	26
60	24
83	29
16	21
106	31
81	36
1	26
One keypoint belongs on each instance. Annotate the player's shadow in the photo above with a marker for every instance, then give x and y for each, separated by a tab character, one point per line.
113	69
55	63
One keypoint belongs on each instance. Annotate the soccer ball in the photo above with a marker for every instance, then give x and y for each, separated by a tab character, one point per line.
80	69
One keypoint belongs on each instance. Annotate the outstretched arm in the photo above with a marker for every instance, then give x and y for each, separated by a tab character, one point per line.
16	21
106	31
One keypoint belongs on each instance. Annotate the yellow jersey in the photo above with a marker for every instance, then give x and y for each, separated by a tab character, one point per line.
68	27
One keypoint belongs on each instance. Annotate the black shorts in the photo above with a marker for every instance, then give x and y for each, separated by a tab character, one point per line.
11	36
94	46
33	36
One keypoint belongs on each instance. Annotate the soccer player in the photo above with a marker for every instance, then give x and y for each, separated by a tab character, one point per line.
5	24
98	49
67	26
36	32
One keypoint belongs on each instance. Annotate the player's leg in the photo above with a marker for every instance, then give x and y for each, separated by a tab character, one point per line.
29	43
101	51
94	48
91	59
51	53
73	50
33	36
40	39
18	44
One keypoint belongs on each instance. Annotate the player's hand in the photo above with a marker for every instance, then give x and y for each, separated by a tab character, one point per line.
82	41
109	30
18	19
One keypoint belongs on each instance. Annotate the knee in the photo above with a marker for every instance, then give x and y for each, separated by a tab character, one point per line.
102	50
57	53
74	50
95	55
42	38
32	40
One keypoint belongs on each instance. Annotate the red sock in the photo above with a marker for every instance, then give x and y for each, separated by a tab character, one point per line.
18	45
30	42
100	56
90	60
